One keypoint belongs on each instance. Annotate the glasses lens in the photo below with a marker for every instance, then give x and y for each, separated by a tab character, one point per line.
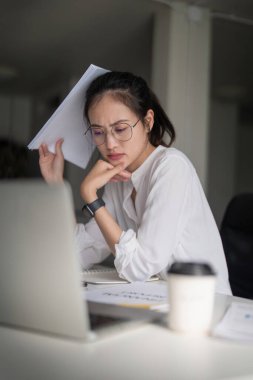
98	135
122	132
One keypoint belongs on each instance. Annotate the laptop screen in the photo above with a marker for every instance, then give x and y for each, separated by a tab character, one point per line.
39	272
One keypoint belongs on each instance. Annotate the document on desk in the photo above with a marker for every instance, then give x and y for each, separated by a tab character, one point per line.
145	295
237	323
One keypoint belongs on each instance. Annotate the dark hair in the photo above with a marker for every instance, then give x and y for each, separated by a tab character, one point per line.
134	92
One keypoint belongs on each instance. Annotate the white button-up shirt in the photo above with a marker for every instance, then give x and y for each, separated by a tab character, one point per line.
169	220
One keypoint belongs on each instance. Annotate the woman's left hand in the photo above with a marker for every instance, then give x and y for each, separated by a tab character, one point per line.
101	173
52	164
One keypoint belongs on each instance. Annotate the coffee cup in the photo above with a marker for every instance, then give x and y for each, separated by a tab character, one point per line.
191	288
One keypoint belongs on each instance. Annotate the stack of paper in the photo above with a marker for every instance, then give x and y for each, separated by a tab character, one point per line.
145	295
68	122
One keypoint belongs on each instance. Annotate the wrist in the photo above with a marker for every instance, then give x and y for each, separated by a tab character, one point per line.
92	207
88	196
54	180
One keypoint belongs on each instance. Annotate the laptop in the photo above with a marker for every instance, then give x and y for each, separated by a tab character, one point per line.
40	287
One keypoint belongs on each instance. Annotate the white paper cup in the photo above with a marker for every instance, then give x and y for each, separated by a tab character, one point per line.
191	297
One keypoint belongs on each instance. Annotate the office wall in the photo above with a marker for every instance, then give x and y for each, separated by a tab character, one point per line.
181	73
15	117
223	156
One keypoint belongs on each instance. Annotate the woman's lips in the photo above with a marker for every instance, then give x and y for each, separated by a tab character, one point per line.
115	156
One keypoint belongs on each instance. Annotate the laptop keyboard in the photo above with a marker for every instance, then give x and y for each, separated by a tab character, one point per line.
97	321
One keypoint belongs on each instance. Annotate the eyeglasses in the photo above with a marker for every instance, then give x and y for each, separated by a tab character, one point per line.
121	131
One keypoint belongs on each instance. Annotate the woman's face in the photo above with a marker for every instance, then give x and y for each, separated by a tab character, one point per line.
106	113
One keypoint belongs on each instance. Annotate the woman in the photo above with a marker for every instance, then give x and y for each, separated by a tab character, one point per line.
153	210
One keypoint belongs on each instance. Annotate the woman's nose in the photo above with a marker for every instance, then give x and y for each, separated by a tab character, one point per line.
110	141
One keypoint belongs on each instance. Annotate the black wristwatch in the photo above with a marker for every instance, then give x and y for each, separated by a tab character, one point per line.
93	206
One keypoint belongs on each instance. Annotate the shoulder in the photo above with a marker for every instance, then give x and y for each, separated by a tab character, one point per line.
172	160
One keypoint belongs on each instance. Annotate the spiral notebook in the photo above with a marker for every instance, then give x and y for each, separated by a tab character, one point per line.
101	274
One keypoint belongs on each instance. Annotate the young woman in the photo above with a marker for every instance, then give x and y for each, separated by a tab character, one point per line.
153	210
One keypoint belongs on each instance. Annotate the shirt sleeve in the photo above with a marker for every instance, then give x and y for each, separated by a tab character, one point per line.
90	243
150	250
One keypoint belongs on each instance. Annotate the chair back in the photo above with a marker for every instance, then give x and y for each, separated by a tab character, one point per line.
237	237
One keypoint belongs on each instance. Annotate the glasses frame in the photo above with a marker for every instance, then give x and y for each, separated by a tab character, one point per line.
105	133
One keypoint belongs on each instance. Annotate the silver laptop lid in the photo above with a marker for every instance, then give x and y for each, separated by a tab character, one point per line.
39	273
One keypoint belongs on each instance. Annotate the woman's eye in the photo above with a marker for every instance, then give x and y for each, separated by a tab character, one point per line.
97	132
120	128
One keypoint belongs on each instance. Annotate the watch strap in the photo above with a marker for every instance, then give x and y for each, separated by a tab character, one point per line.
93	206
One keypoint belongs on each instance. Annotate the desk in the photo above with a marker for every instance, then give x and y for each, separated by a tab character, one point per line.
147	353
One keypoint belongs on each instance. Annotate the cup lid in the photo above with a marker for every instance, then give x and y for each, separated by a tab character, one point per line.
191	268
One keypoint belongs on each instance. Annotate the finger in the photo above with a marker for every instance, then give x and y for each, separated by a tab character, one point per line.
118	179
115	170
125	174
58	147
43	150
60	142
109	172
105	164
41	154
113	180
121	178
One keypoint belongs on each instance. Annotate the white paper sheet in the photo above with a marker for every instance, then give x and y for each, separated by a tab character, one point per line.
138	294
237	323
69	123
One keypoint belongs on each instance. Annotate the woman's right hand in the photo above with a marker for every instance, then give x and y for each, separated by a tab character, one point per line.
101	173
52	164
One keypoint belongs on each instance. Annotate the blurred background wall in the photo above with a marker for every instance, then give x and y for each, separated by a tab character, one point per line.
196	55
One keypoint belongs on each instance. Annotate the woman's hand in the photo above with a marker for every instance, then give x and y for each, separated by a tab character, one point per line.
123	176
101	173
52	164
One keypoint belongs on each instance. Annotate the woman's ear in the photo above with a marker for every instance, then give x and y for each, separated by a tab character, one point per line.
149	120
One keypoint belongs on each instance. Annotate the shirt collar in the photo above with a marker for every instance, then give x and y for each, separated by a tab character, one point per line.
139	173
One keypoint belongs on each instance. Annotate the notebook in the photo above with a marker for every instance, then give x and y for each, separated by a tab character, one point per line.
40	287
104	275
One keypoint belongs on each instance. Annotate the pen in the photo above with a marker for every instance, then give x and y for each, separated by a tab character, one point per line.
140	306
158	307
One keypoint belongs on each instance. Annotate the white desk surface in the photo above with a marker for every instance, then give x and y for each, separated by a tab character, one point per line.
149	352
